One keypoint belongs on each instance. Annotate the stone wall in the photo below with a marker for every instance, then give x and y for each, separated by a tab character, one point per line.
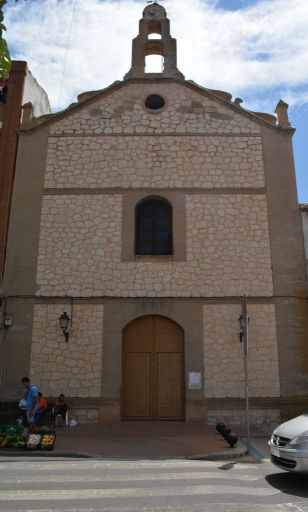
264	419
73	367
187	110
223	352
227	249
154	161
84	416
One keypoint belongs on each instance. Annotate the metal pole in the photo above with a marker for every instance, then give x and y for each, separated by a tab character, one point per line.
246	378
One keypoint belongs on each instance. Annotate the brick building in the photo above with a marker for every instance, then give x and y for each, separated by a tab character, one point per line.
304	214
143	212
18	90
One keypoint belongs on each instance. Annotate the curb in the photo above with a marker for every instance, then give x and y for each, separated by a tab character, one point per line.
46	453
84	455
236	453
233	453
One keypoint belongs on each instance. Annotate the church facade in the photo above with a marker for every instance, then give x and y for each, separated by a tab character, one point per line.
141	215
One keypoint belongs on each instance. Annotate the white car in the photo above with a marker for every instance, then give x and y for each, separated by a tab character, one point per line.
289	445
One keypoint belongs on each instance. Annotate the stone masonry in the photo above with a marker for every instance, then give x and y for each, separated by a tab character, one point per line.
168	161
185	111
223	353
83	255
72	368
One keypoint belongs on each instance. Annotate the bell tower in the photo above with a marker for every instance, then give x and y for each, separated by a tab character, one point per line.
154	39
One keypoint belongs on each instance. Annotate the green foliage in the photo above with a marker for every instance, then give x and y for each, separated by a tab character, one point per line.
5	59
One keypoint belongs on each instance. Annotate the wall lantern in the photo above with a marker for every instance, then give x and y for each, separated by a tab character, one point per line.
241	321
64	321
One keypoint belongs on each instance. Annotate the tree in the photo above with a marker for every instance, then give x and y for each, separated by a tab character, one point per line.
5	59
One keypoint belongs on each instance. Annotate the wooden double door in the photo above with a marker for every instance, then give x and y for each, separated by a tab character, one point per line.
153	369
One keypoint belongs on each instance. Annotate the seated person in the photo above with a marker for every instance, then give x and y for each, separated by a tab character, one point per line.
42	407
60	407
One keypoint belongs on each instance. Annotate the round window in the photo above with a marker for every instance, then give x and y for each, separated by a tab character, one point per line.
154	102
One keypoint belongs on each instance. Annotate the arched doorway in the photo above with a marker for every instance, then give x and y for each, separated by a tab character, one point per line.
153	369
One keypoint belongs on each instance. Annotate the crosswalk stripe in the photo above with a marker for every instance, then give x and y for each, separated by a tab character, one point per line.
105	464
103	485
231	507
191	490
92	477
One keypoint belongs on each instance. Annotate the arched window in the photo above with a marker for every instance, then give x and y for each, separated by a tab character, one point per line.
154	56
153	35
154	227
154	64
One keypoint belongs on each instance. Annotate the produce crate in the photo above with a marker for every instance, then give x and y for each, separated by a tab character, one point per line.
10	441
15	430
11	438
34	441
38	441
48	441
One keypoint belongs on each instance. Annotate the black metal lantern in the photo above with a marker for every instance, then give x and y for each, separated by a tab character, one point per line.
241	321
64	321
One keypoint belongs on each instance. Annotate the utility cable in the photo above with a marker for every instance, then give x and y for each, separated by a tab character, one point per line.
66	52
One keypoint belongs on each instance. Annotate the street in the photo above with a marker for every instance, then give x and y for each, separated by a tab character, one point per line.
51	484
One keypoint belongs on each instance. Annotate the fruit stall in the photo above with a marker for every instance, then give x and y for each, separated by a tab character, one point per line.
15	437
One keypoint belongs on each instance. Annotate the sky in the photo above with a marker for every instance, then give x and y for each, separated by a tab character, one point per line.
254	49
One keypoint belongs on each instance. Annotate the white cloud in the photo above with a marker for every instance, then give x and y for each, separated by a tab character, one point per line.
256	48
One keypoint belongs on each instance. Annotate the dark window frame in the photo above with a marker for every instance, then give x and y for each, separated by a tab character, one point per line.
154	102
154	203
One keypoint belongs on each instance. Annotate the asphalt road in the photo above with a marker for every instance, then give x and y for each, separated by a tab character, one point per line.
51	484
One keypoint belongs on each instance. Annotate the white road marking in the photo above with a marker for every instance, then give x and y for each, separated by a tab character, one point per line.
65	465
84	494
92	477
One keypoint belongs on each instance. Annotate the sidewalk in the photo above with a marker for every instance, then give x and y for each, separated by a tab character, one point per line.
143	440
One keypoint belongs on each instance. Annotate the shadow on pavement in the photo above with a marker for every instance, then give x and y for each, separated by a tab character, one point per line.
290	483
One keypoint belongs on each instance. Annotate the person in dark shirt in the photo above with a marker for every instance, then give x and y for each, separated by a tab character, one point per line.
60	407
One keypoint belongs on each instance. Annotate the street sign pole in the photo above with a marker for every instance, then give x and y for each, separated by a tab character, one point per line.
245	318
